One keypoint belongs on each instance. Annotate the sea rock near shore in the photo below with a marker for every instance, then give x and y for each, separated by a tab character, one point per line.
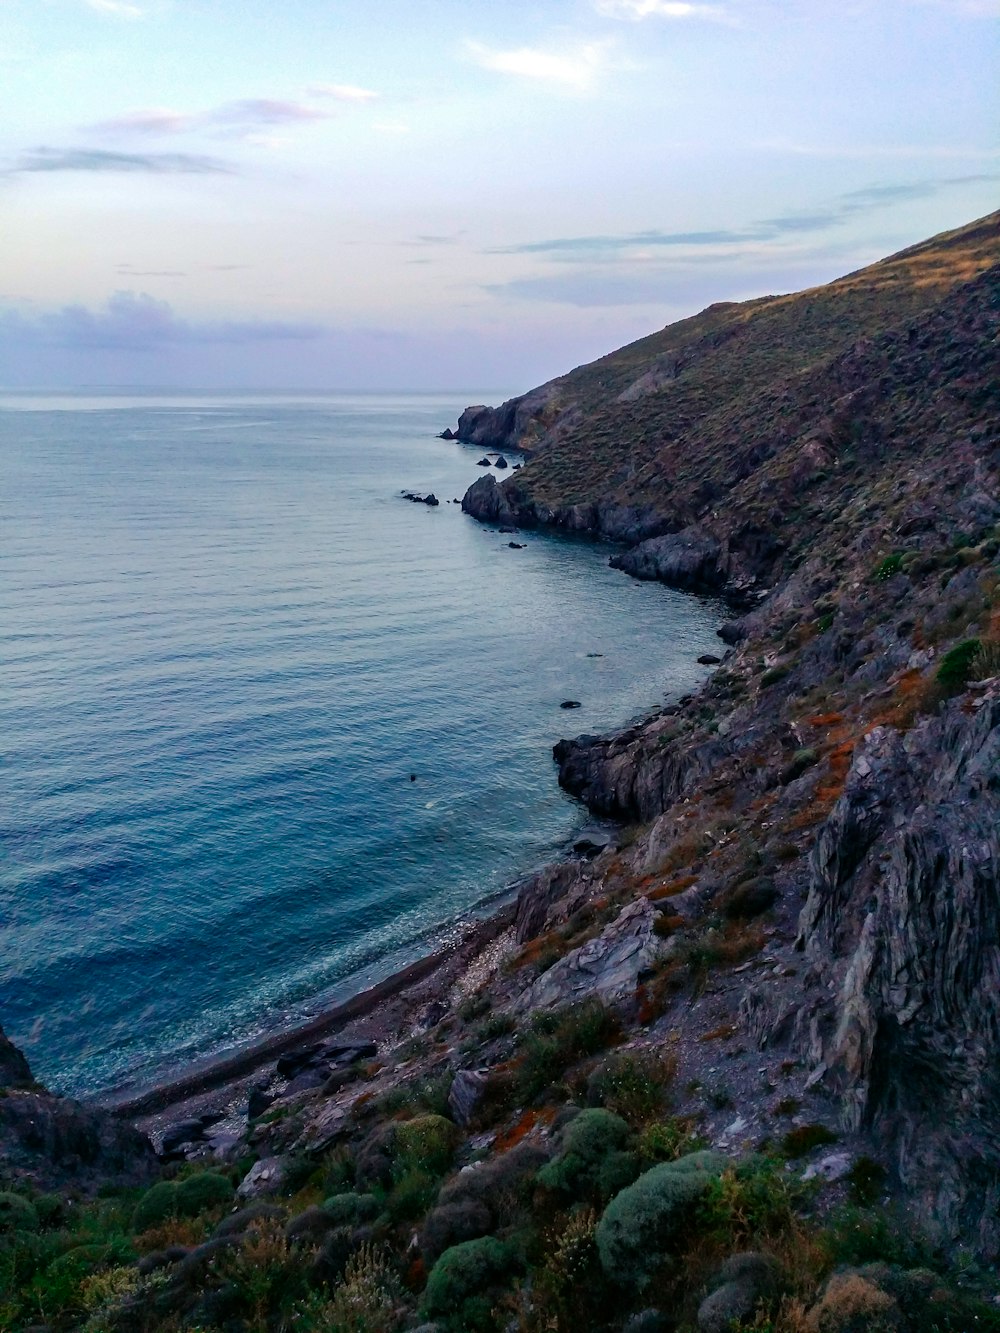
692	559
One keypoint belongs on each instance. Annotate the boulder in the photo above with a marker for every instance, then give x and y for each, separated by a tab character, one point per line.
264	1177
607	968
692	559
467	1088
501	462
571	703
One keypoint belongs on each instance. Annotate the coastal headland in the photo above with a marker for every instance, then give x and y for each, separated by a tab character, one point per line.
740	1067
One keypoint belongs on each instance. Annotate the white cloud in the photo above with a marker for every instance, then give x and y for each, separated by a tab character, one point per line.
120	8
644	9
344	92
570	69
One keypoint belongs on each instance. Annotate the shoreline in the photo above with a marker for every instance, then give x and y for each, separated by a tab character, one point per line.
216	1074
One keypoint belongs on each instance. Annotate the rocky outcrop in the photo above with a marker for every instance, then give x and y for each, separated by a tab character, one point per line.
692	560
607	968
635	775
509	426
56	1143
14	1069
903	919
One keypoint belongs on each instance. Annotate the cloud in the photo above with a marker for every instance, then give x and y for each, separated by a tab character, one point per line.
264	111
977	9
127	271
343	92
119	8
577	68
137	322
588	249
152	120
98	160
635	10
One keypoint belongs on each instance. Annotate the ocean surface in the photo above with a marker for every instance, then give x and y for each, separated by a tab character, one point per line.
227	643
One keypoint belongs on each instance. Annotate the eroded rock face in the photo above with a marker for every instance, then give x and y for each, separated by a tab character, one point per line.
14	1069
902	921
607	968
692	559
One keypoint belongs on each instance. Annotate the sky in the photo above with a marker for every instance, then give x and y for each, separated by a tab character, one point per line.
379	194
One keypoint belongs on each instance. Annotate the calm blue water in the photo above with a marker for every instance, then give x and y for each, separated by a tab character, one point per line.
226	644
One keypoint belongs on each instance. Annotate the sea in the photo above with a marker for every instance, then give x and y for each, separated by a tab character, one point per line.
269	730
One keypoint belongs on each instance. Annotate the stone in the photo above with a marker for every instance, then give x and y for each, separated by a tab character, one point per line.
516	546
501	462
743	1281
607	968
183	1132
293	1062
571	703
484	462
467	1088
834	1167
264	1177
709	659
258	1101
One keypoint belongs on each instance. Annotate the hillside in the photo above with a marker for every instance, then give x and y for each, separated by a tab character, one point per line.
739	1067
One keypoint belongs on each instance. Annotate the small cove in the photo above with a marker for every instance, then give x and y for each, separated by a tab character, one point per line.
228	644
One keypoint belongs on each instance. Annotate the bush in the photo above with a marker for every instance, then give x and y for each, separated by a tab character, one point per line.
169	1200
504	1184
197	1194
16	1213
465	1271
351	1209
586	1144
956	666
642	1221
427	1143
451	1223
633	1086
561	1038
157	1205
889	566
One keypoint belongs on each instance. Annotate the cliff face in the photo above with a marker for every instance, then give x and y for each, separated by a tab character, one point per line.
843	488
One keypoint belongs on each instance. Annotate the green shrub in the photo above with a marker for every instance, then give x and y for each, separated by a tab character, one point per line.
633	1085
560	1038
352	1210
867	1181
411	1195
157	1205
184	1198
586	1144
504	1184
956	666
466	1271
428	1142
197	1194
666	1140
889	566
451	1223
641	1222
58	1288
772	676
16	1213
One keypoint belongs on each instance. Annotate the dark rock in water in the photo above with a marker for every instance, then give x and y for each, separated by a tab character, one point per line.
571	703
447	434
501	462
431	499
507	529
516	546
14	1069
516	467
709	659
591	841
595	654
692	559
732	632
467	1088
484	462
421	499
